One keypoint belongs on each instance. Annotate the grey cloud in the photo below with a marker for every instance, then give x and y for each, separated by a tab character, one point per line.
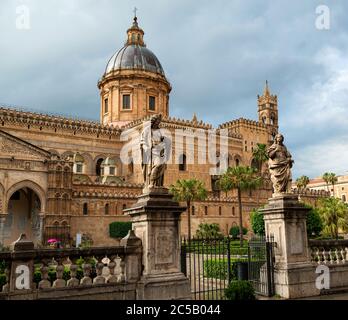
217	55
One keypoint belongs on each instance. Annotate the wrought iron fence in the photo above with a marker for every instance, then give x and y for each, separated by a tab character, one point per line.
261	265
210	265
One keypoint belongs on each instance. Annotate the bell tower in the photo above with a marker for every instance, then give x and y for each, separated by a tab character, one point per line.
268	111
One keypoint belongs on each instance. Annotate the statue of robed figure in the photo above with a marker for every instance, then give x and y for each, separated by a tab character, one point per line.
280	164
154	149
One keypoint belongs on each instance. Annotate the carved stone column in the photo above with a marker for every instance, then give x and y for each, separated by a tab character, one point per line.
2	229
42	221
156	221
285	220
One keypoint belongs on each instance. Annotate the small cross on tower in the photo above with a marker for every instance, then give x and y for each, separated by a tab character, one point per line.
135	12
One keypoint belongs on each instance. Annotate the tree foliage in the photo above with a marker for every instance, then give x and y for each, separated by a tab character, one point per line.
242	179
260	155
302	182
329	178
313	221
188	190
334	214
209	231
257	222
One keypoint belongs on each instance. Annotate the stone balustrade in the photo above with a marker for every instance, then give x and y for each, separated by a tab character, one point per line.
41	272
329	252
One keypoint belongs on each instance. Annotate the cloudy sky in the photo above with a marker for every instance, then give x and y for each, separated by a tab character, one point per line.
216	54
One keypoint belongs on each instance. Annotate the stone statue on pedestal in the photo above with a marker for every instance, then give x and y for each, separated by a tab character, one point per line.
280	164
154	151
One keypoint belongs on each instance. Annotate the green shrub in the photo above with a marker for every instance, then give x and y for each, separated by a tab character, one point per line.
257	222
119	229
209	231
234	232
218	268
314	223
240	290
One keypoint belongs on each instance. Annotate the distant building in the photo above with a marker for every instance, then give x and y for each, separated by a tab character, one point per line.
339	190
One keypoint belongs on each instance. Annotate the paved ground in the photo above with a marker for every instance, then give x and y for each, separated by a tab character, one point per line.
336	296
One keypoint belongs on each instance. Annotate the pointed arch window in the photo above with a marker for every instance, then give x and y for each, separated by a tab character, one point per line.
98	167
182	162
85	209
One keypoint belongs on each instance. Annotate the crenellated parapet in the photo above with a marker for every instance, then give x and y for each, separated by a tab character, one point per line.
252	124
42	121
311	192
171	122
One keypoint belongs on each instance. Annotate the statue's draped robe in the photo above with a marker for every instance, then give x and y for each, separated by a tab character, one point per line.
280	168
153	158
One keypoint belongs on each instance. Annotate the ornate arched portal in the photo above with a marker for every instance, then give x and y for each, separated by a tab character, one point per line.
25	206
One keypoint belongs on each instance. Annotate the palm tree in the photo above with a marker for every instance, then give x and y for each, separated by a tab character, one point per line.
330	178
302	182
333	180
242	179
189	190
334	214
260	155
326	178
209	231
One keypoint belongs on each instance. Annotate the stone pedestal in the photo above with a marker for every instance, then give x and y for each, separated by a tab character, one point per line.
285	220
156	221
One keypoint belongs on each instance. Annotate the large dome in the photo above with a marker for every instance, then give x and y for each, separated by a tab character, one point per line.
134	56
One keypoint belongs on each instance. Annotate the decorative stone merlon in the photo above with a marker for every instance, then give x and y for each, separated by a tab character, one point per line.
130	240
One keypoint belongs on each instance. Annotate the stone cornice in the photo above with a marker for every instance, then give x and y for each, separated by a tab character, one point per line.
24	118
116	185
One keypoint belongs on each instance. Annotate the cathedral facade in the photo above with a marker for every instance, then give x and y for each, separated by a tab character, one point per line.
60	176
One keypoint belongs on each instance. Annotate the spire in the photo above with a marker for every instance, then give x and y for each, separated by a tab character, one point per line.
194	118
267	97
266	93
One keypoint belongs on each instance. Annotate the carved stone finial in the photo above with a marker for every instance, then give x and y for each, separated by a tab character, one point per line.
22	243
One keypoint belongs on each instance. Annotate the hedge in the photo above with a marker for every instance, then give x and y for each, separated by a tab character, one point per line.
119	229
234	231
215	246
218	268
240	290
